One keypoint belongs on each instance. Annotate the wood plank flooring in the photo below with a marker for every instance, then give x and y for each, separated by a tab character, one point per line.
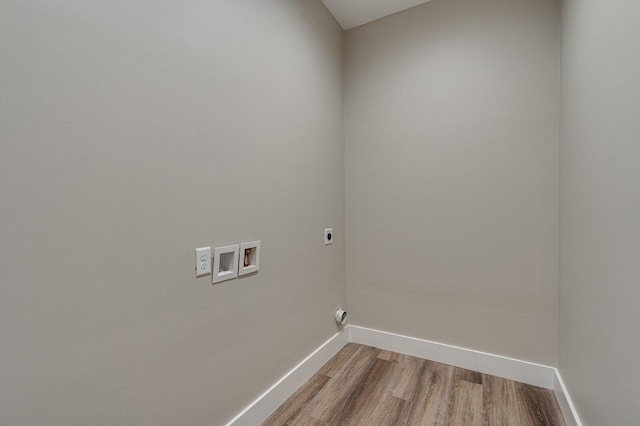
368	386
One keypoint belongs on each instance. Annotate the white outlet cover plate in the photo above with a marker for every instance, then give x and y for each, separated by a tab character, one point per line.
327	232
229	270
203	261
255	258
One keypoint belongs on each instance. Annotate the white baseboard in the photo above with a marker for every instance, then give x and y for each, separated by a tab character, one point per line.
497	365
276	395
564	400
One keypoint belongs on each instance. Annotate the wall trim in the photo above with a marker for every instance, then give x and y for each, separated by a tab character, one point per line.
276	395
564	399
498	365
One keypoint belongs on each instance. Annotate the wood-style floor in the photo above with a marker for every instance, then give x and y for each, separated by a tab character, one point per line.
368	386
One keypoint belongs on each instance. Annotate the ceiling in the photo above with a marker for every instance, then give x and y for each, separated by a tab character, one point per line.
351	13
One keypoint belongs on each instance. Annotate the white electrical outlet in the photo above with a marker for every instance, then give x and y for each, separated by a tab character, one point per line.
203	261
328	236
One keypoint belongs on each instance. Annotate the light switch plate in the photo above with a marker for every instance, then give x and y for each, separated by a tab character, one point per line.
203	261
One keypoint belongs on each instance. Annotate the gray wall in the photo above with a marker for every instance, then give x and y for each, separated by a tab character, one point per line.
452	163
599	347
132	133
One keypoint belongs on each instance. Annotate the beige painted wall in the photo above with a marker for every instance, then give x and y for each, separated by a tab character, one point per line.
599	347
452	164
132	133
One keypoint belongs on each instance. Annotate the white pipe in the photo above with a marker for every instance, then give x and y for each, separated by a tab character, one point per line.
341	316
